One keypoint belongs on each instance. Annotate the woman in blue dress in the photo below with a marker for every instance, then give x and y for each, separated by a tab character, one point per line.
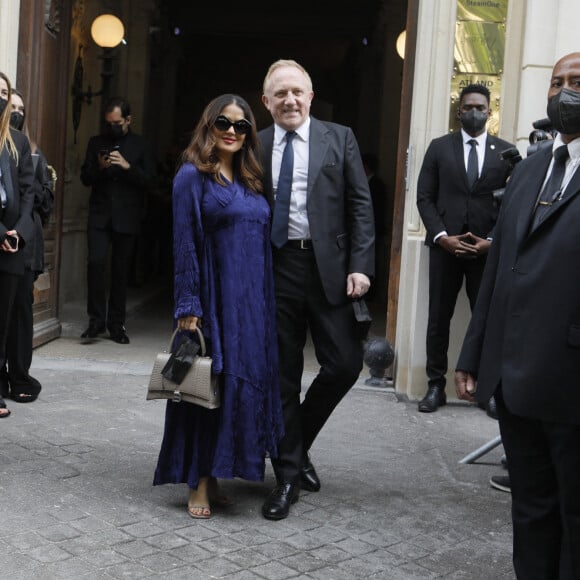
223	278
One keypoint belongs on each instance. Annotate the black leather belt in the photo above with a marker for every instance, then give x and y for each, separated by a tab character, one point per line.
299	244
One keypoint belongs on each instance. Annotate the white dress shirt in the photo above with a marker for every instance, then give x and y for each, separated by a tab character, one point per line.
298	228
481	142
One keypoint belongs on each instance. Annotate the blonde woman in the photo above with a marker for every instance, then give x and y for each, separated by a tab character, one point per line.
16	202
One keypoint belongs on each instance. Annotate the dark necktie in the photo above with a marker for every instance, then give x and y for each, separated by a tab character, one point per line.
553	187
282	204
472	164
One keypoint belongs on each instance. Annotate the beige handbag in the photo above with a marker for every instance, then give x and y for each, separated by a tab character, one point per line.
199	386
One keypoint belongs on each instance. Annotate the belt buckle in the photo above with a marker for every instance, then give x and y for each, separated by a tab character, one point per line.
305	244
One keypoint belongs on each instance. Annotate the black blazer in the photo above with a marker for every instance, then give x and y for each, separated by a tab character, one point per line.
444	199
340	213
118	196
525	329
17	178
42	206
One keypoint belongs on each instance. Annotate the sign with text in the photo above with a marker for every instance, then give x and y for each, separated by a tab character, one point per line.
482	10
478	54
492	82
479	47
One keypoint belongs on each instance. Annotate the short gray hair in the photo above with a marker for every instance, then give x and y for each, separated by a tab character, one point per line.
281	63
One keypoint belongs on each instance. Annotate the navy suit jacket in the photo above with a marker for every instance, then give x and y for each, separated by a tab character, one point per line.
525	328
444	199
339	206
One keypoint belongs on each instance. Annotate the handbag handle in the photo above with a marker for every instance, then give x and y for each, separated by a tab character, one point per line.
199	336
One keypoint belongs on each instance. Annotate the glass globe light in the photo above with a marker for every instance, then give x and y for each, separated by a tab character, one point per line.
107	30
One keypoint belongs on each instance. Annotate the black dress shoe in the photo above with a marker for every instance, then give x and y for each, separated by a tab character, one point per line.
119	335
309	480
434	399
501	482
93	330
277	506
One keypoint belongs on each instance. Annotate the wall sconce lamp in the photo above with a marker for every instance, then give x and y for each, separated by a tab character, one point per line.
107	32
400	44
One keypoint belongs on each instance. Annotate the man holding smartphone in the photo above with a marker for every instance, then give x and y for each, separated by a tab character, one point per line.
119	168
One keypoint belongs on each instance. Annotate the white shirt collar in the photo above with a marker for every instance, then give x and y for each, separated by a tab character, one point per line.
481	139
303	132
573	146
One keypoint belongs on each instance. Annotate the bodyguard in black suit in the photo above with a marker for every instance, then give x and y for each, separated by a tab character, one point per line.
118	167
323	237
460	171
523	341
16	202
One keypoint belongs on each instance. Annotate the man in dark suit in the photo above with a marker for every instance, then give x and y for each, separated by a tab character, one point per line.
323	238
460	171
118	167
523	341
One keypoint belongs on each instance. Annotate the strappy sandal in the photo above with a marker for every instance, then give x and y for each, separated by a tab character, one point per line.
26	390
205	512
4	411
24	397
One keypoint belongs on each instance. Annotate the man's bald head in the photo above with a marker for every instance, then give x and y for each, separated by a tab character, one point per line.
564	97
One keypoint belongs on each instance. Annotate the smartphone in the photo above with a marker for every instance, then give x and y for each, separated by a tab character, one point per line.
13	241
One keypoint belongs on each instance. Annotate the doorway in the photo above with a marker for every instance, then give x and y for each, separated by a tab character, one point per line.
348	49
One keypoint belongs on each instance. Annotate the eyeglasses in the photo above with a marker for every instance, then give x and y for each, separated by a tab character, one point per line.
241	127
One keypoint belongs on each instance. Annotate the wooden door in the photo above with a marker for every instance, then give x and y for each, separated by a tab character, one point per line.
401	172
43	78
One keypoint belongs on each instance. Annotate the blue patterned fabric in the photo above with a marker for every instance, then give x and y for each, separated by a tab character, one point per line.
223	275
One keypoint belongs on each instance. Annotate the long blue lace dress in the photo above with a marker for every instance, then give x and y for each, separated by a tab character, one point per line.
223	275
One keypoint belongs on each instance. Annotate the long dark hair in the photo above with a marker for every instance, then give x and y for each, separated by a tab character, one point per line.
201	149
5	137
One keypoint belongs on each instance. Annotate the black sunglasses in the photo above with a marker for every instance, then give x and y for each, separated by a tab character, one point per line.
241	127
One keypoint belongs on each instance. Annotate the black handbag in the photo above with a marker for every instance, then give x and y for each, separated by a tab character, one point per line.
185	376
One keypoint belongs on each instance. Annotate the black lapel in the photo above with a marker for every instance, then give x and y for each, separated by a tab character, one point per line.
317	148
492	154
529	191
6	173
571	191
460	158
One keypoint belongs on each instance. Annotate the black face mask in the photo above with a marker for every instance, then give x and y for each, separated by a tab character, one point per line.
114	131
564	111
3	104
16	120
473	121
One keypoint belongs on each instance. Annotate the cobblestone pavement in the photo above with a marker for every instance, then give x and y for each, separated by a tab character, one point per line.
76	469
